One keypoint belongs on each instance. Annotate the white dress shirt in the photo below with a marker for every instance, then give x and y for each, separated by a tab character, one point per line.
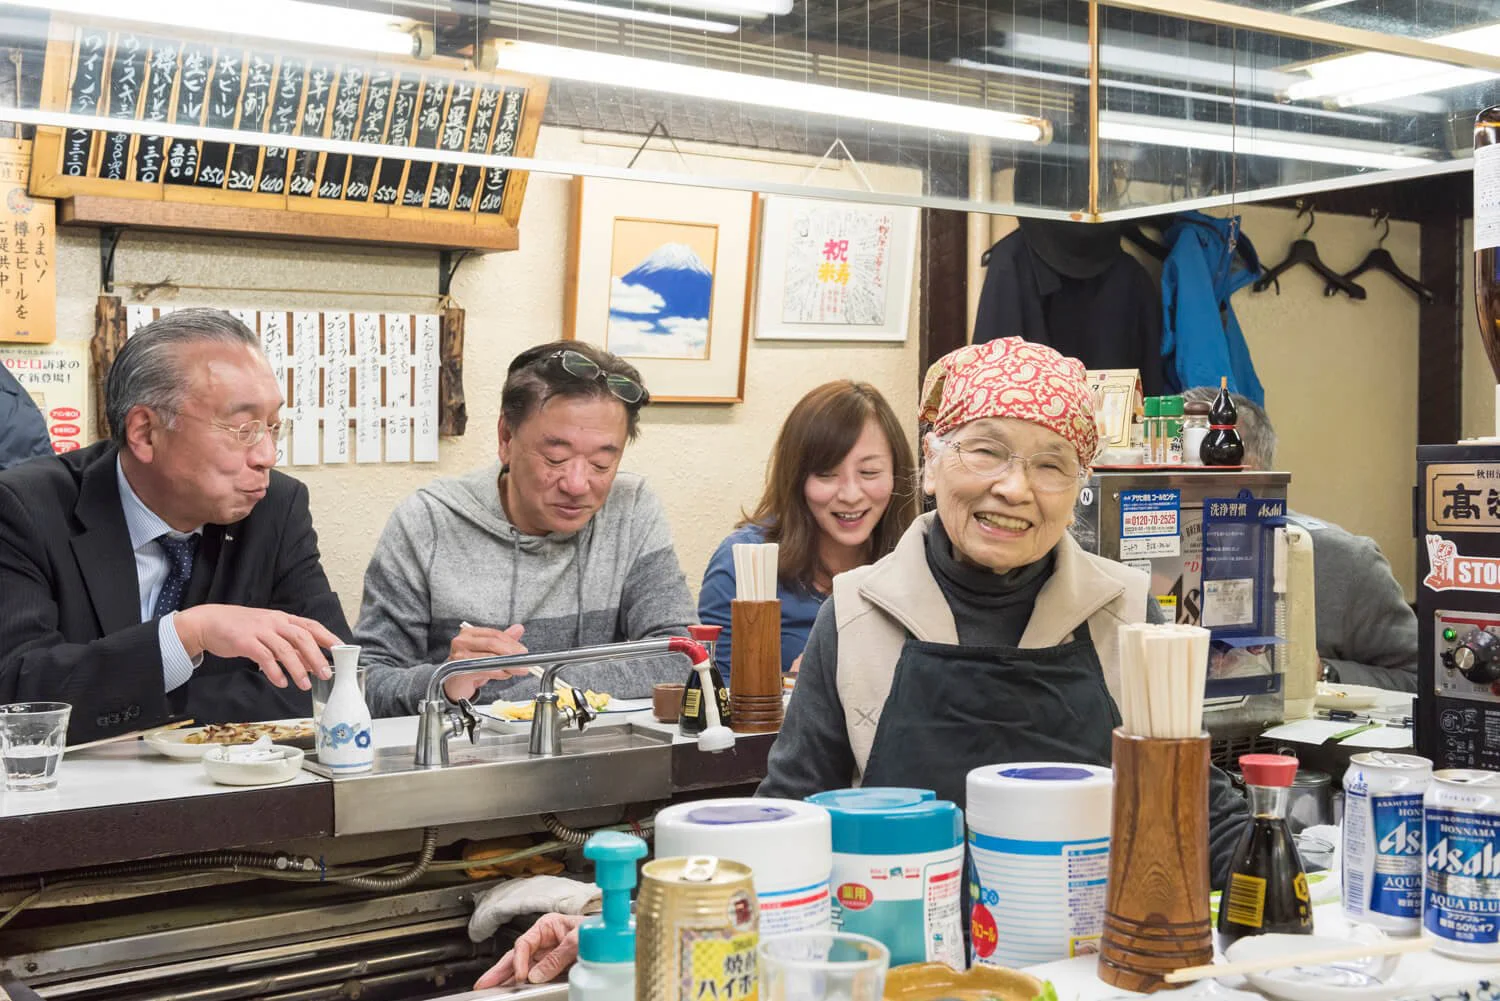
152	565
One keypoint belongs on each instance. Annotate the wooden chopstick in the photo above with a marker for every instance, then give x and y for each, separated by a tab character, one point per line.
1390	947
131	735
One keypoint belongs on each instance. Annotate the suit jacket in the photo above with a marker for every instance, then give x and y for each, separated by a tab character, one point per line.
70	628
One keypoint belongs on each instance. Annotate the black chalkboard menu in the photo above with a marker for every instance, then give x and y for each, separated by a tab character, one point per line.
255	98
320	95
283	122
192	91
264	95
156	106
125	78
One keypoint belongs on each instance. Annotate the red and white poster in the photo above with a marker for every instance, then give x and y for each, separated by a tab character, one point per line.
56	376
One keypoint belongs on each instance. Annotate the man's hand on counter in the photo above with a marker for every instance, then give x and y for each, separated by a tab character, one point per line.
282	645
542	954
473	642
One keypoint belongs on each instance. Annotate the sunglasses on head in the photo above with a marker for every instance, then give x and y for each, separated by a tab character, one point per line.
581	366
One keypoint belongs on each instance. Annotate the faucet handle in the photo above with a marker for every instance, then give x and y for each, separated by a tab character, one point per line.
468	720
582	711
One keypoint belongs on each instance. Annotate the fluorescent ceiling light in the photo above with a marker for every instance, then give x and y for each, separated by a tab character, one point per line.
1258	142
278	20
766	92
631	14
733	8
1377	77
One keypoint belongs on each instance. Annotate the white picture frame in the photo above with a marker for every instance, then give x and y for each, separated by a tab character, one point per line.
810	289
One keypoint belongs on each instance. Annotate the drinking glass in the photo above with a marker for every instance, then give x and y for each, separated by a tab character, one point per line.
321	689
822	966
32	738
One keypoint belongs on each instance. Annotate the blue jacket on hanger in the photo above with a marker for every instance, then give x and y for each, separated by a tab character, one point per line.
1200	338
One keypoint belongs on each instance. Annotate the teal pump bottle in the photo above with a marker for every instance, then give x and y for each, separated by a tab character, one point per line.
605	970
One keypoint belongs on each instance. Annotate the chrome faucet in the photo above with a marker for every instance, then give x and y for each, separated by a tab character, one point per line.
440	719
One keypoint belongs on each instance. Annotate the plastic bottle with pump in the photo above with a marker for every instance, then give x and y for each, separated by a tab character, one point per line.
605	970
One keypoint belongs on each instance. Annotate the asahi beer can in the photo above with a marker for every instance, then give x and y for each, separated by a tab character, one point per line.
1382	853
1461	886
697	926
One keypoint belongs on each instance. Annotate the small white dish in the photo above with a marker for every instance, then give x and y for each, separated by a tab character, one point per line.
173	744
268	771
1376	978
1333	696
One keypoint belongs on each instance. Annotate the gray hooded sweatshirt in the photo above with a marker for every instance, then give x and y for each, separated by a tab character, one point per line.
450	555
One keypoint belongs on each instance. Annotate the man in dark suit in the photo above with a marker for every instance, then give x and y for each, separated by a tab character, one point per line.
169	571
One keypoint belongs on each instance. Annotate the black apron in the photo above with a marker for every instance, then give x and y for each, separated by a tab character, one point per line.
953	708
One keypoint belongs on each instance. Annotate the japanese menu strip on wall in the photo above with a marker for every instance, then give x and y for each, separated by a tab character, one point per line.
360	387
136	77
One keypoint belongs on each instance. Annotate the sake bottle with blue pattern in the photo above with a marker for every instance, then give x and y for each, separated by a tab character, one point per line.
346	738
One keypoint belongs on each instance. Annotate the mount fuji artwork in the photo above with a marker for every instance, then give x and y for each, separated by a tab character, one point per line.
661	289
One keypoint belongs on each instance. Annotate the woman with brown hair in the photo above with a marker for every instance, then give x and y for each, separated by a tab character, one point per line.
839	494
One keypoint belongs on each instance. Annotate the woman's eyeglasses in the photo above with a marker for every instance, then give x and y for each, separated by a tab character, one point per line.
1049	472
625	389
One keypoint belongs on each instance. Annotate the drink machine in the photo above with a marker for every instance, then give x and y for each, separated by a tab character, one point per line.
1250	583
1458	605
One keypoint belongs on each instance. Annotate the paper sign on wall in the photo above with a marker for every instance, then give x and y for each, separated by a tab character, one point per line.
56	376
378	371
28	252
1150	524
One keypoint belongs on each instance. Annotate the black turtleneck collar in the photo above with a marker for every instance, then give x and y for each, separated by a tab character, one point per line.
990	609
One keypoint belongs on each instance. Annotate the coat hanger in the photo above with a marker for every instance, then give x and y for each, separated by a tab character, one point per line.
1380	259
1304	251
1133	233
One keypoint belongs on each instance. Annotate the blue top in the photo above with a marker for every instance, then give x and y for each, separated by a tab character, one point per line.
610	937
891	821
1201	339
798	608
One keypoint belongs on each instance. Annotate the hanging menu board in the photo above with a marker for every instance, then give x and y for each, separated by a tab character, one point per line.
130	177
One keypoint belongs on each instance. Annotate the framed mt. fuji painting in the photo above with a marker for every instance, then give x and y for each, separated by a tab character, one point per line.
662	276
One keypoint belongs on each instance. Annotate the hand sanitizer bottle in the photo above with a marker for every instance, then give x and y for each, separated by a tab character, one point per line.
346	739
605	970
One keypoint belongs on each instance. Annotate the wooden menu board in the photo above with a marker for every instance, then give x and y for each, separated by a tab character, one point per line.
125	178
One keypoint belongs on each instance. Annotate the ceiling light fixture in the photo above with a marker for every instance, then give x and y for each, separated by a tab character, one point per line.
277	20
610	70
1378	77
1218	138
630	14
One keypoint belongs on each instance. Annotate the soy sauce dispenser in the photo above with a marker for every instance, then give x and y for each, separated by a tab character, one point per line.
1267	890
1223	446
694	716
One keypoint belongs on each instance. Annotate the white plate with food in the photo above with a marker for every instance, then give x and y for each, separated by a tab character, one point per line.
190	743
1332	696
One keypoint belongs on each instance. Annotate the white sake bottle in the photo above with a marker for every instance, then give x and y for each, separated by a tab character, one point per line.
346	739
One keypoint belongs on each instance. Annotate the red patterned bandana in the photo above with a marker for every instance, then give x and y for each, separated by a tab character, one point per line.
1011	377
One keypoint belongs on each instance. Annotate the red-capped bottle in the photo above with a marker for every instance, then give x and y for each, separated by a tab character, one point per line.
694	716
1267	889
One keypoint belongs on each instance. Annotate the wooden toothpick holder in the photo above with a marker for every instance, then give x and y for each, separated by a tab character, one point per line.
1156	916
755	666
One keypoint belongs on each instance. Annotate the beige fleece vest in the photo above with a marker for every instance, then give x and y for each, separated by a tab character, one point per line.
880	605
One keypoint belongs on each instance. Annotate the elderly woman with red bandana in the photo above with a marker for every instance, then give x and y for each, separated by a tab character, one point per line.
987	635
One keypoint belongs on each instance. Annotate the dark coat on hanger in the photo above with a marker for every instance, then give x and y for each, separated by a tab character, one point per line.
1109	319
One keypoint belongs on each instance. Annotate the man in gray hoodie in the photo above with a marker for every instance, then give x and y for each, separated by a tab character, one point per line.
553	548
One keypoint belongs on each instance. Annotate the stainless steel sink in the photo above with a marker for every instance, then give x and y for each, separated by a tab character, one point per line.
497	778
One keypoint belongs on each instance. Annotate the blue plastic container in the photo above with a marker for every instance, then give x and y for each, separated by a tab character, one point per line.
898	862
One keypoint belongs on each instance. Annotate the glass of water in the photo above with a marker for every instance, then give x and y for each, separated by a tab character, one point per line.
32	738
322	688
822	966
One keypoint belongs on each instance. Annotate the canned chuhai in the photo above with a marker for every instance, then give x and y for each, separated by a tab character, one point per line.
1382	853
1461	887
697	929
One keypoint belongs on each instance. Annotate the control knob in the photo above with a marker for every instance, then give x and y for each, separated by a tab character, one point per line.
1477	657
